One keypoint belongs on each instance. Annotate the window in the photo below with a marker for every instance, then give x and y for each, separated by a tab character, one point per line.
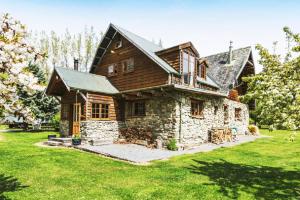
100	111
65	108
136	108
237	113
128	65
188	68
202	71
112	70
197	108
215	110
226	115
118	44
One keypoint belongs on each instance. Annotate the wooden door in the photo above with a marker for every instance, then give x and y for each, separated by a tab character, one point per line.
76	119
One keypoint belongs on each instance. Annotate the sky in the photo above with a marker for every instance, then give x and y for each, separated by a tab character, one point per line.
209	25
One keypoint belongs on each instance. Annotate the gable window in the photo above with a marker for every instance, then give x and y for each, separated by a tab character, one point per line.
202	71
100	111
136	108
226	114
197	108
65	108
118	44
112	70
238	114
188	68
128	65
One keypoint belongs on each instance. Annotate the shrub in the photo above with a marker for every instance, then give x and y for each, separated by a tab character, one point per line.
253	129
172	145
251	121
55	121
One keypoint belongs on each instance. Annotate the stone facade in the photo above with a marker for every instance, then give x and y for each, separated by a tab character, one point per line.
169	116
100	130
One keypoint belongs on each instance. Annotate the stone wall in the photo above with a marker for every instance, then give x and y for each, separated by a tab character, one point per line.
195	130
160	112
64	128
100	130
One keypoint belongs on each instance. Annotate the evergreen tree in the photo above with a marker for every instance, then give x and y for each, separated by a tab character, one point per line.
42	106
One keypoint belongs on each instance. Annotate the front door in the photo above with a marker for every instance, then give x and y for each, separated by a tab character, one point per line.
76	119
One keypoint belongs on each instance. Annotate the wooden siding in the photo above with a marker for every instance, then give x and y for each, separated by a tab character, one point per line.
146	72
99	98
172	58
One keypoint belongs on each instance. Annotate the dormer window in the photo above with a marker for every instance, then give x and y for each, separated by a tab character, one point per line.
201	71
188	68
118	44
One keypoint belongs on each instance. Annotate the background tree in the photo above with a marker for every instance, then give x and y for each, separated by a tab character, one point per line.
42	106
277	88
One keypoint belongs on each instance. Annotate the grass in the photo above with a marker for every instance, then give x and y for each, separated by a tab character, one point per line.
268	168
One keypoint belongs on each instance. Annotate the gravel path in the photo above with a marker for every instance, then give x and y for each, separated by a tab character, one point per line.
142	155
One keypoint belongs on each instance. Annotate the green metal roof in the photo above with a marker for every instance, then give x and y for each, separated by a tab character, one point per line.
85	81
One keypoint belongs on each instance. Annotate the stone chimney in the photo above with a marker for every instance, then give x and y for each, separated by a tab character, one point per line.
229	61
75	64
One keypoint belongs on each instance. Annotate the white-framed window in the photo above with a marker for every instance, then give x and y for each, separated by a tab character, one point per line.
118	44
188	68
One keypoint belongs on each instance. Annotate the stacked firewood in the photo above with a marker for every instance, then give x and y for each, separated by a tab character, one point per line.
136	135
219	136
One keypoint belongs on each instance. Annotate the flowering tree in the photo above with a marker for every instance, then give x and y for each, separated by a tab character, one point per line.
277	88
15	56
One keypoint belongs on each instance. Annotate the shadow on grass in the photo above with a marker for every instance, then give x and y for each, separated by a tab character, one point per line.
9	184
261	181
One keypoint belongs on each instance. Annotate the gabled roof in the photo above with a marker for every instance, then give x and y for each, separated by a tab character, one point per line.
226	74
84	81
147	47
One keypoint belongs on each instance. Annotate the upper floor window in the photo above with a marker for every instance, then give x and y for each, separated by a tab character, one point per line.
118	44
128	65
238	114
202	71
188	68
100	111
197	108
112	70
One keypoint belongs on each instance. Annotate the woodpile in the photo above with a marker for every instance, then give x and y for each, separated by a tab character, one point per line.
220	135
135	135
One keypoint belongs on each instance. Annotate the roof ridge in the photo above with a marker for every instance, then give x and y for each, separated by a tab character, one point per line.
88	73
119	27
226	51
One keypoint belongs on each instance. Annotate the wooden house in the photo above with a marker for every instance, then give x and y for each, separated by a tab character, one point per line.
173	92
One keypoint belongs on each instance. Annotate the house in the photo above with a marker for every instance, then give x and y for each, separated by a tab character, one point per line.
134	83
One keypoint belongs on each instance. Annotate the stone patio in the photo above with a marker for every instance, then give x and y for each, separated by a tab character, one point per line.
142	155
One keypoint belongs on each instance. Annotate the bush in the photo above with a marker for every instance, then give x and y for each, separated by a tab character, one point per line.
251	121
55	121
172	145
253	129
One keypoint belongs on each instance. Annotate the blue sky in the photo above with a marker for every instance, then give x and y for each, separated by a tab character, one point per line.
210	25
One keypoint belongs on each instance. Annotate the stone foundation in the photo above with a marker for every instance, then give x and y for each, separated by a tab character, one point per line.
64	128
100	130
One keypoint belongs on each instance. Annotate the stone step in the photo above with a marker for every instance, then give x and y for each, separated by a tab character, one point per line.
62	140
100	142
53	143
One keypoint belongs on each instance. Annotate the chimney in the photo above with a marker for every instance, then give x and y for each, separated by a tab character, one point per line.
230	53
75	64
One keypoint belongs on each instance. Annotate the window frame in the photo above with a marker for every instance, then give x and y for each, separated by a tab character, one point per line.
199	106
238	114
114	69
131	107
226	113
99	115
125	65
190	72
201	72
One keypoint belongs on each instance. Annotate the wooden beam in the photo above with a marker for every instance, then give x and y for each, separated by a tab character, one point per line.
82	95
250	63
58	99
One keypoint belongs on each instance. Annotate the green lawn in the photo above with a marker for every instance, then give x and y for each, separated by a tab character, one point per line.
268	168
